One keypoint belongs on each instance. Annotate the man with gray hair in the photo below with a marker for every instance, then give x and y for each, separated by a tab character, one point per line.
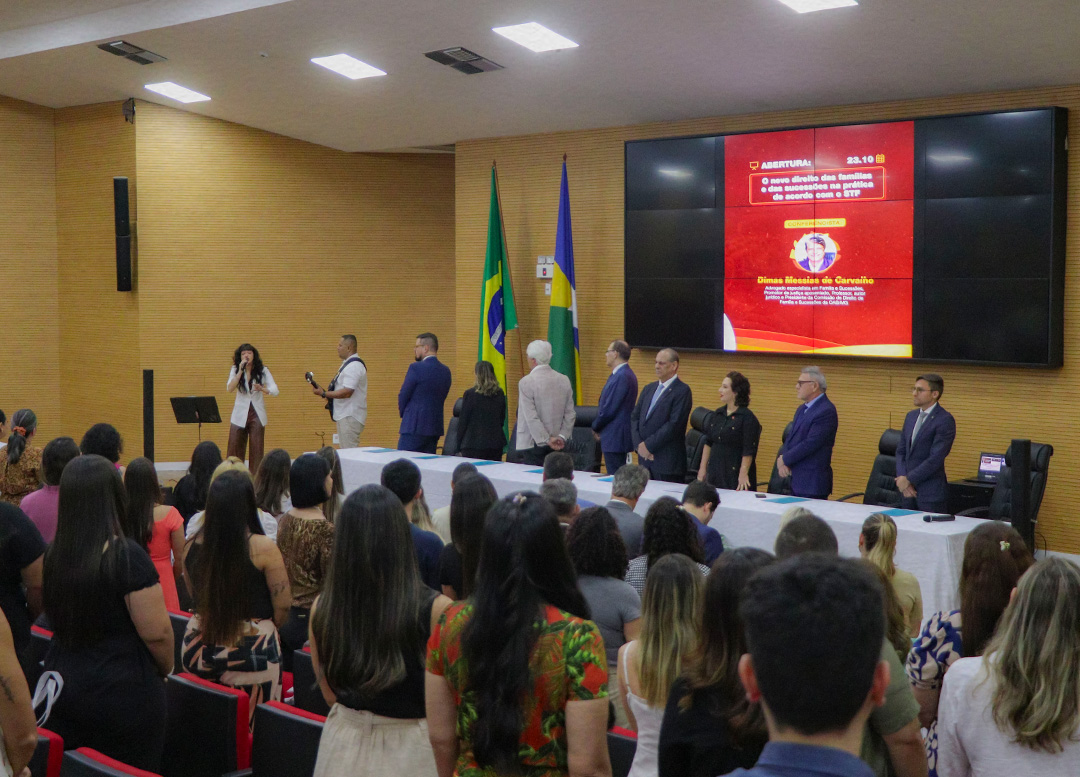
545	415
807	455
563	497
626	489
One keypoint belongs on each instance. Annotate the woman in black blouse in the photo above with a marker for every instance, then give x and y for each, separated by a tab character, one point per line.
481	427
731	439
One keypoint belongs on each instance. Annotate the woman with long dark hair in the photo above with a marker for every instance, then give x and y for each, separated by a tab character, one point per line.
668	529
251	380
156	526
332	506
112	640
517	675
369	631
728	459
272	483
481	429
190	492
241	595
469	504
709	727
20	462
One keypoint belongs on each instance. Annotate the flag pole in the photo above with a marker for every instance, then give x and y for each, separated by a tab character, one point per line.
509	276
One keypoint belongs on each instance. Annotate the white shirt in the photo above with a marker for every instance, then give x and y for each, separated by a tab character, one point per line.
440	519
353	376
618	367
269	524
247	399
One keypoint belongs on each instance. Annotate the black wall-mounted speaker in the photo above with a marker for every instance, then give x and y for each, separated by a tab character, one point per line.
122	217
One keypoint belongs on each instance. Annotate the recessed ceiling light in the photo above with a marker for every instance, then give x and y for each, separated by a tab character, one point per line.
535	36
350	67
177	92
806	6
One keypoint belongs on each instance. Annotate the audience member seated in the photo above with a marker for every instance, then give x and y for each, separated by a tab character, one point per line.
272	483
1016	709
560	465
306	540
112	641
482	423
793	512
40	506
241	594
701	500
668	529
17	718
369	631
814	628
627	486
516	675
649	665
232	464
21	559
403	478
896	633
599	556
156	526
892	744
877	544
995	557
20	463
472	499
709	726
563	497
332	506
103	440
190	492
440	516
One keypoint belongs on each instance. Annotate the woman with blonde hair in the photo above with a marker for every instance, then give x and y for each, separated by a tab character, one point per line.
877	544
650	664
1016	709
481	434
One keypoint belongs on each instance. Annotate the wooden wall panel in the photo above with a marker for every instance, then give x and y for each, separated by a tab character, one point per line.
30	354
249	236
991	405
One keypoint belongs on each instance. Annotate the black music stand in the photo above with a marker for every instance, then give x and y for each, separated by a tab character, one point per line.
196	410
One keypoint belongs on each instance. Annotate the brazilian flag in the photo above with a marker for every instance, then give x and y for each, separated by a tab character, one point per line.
562	316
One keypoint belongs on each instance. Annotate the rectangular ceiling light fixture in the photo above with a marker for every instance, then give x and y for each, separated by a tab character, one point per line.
535	36
350	67
177	92
806	6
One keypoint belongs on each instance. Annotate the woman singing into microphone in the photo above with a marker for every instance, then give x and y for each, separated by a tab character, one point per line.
250	380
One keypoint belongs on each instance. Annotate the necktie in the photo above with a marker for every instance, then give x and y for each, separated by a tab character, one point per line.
918	424
655	398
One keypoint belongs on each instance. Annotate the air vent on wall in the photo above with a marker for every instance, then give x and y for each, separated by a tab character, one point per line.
463	60
122	48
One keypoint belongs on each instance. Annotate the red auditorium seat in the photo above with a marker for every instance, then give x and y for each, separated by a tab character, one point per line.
286	741
86	762
622	744
306	693
48	755
208	728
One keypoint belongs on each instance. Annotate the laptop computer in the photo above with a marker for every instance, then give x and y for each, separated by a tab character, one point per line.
990	465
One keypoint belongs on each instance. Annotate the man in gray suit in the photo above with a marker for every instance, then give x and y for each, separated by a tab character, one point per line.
626	488
545	418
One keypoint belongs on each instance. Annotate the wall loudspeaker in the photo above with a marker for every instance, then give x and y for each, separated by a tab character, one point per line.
124	239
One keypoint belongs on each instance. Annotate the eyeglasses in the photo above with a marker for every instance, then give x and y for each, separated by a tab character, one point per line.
918	390
804	382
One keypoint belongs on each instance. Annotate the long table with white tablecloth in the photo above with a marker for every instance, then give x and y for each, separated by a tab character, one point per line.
933	552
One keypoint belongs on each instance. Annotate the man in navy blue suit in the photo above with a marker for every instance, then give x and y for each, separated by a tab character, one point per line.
658	421
422	397
807	454
929	431
612	424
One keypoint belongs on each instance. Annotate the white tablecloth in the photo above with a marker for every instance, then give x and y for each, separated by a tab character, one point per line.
933	552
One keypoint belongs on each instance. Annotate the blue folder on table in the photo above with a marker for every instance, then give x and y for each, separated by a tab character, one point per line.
786	500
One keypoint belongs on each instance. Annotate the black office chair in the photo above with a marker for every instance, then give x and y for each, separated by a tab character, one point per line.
583	445
513	455
451	445
881	485
1000	508
776	484
695	440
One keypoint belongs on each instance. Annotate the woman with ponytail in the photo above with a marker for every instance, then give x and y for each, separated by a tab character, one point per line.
517	674
20	462
877	544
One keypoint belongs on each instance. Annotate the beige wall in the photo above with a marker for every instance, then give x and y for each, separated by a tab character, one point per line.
991	405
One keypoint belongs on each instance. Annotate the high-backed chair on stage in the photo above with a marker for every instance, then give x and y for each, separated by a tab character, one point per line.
881	485
583	445
451	444
695	440
776	484
1000	508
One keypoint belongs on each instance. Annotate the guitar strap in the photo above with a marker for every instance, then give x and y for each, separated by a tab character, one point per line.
333	383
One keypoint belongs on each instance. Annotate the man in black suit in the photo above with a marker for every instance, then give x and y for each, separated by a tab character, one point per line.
658	423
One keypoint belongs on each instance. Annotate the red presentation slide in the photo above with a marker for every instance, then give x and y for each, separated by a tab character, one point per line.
818	239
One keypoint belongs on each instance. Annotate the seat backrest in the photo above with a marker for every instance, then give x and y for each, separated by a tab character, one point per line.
513	455
179	620
621	751
881	485
451	443
1001	500
208	728
700	418
48	755
306	693
583	445
87	762
695	439
285	741
777	484
40	639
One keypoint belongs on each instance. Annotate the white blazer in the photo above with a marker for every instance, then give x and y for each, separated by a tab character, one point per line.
246	400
